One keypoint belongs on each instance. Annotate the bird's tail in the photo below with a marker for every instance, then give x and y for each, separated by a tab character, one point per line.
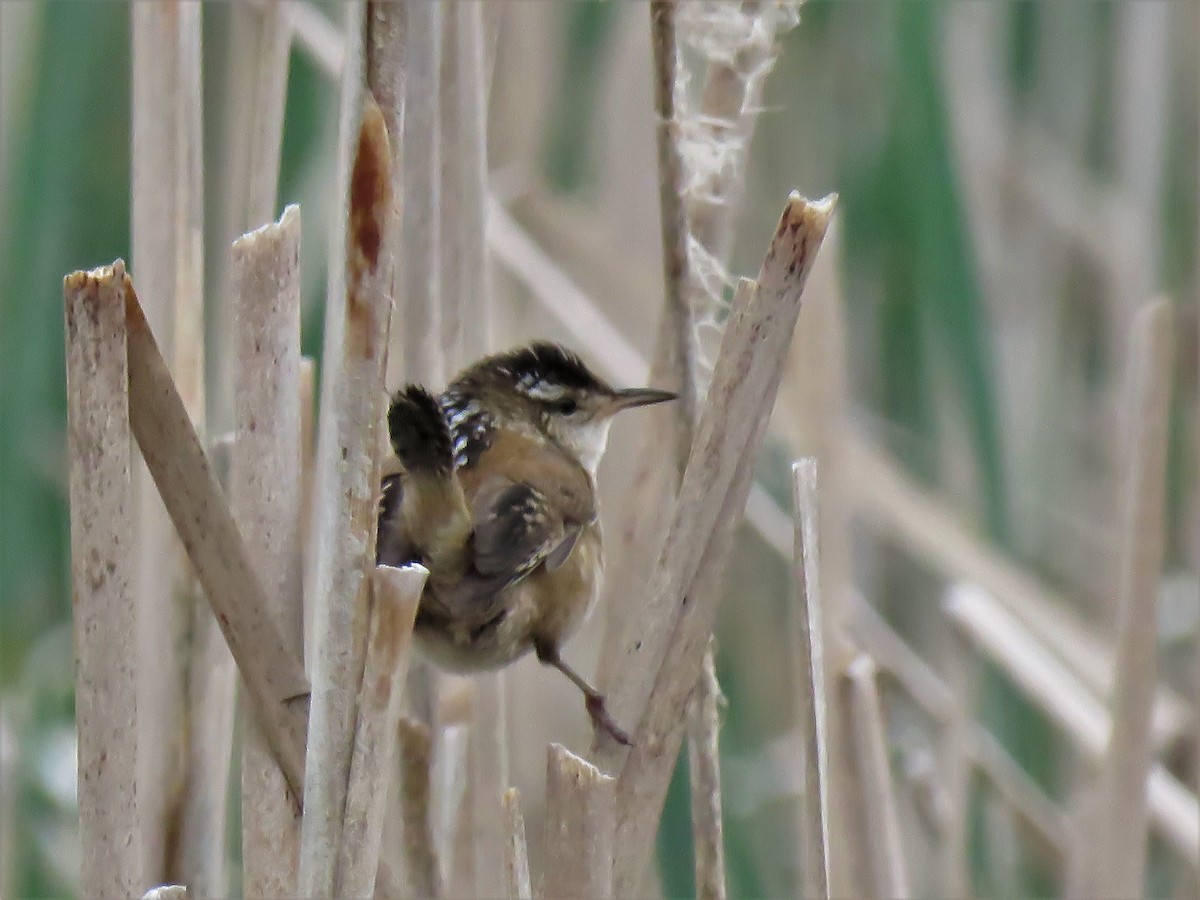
423	515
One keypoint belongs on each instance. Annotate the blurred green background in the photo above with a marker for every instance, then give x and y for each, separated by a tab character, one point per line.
860	102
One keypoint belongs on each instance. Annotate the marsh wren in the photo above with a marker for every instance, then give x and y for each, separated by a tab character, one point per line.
497	498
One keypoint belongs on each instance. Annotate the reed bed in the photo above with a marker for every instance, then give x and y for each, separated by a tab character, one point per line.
364	771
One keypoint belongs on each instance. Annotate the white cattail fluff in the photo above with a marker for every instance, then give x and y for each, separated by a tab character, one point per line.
735	45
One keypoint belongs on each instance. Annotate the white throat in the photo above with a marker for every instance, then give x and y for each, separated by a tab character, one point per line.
587	442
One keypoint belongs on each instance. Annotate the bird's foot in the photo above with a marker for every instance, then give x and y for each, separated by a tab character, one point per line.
603	721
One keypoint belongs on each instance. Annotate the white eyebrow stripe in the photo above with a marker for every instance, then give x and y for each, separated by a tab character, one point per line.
543	390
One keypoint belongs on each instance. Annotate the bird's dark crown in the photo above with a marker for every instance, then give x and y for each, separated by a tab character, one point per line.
527	369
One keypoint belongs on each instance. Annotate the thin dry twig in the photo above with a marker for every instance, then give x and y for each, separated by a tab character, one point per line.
348	473
102	575
812	699
394	597
580	818
659	664
516	856
875	778
265	498
1119	861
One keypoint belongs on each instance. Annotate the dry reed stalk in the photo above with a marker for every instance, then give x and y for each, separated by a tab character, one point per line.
997	633
516	856
358	314
580	821
1119	846
167	892
455	702
313	33
580	317
265	498
419	291
394	597
704	771
487	762
953	848
308	452
660	662
882	835
925	528
199	857
808	673
699	188
102	576
412	816
473	53
703	721
163	192
915	677
269	94
273	677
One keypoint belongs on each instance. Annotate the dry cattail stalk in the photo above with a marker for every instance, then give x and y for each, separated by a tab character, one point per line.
349	461
516	856
102	576
580	817
265	498
394	597
1120	846
659	663
808	666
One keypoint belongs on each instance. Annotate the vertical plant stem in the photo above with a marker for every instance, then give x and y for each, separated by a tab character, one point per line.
415	762
809	673
580	815
160	188
102	575
265	497
420	294
472	50
954	844
352	411
658	668
516	856
394	596
1120	843
875	779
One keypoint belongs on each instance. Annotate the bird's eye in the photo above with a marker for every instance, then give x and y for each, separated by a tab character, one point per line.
566	407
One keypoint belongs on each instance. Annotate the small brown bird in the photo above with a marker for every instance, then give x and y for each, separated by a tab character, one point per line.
497	498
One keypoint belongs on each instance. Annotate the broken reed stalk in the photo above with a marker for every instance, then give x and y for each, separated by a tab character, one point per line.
1120	845
265	498
102	576
167	892
659	664
273	677
165	222
994	631
580	818
358	315
875	779
394	596
516	855
421	358
812	699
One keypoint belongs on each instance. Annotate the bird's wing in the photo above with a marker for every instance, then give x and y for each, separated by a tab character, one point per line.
517	529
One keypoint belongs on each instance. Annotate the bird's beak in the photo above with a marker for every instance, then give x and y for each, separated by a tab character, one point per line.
632	397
